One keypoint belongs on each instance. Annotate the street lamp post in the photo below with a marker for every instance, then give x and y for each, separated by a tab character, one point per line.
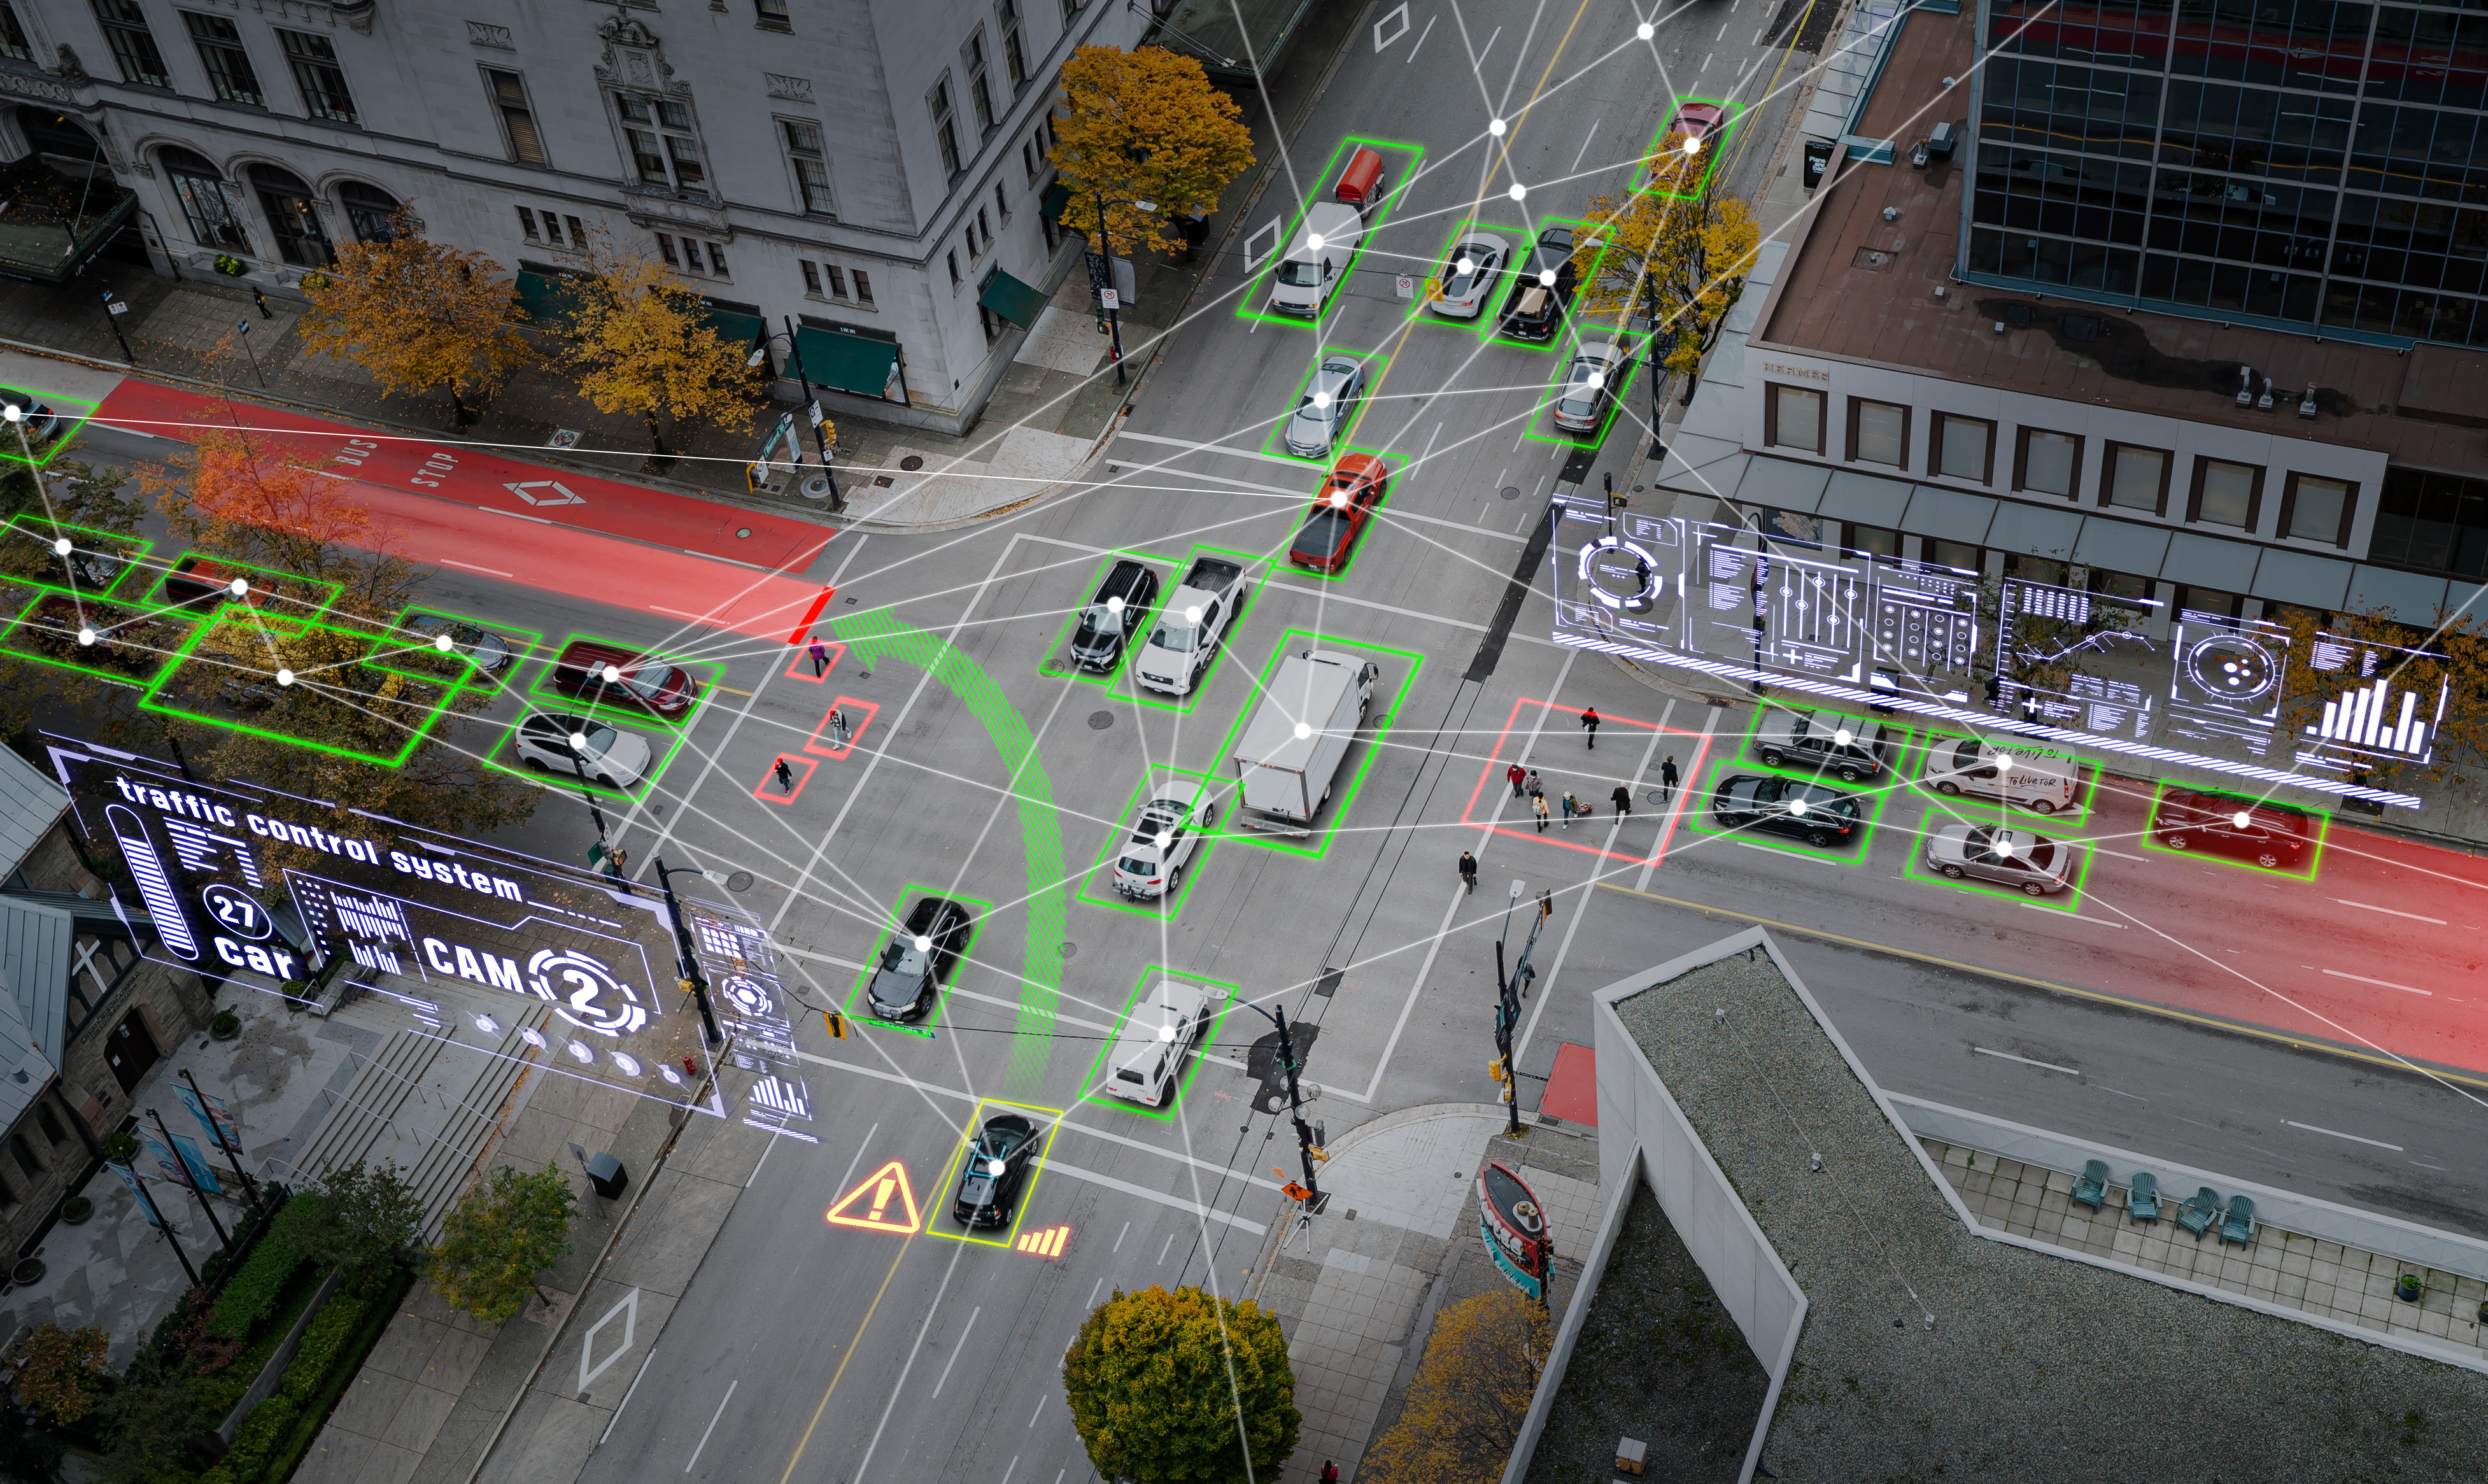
686	961
1315	1199
811	404
231	1155
191	1178
244	326
1113	315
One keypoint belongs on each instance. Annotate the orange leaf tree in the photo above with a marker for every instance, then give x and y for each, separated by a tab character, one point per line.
640	343
1144	125
59	1372
418	315
1466	1402
1681	246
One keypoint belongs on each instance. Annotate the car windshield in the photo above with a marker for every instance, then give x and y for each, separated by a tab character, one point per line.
1458	284
977	1190
1578	395
1300	273
1092	622
1134	865
900	957
1180	642
649	680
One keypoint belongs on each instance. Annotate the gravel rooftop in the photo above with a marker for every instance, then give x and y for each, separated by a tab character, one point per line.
2036	1367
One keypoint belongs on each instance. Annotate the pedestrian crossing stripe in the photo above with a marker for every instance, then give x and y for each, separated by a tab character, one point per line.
884	1202
1048	1243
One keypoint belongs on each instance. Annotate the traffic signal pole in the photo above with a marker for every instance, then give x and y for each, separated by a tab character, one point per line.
688	965
1316	1200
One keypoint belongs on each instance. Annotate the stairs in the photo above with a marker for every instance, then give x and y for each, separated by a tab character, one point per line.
443	1170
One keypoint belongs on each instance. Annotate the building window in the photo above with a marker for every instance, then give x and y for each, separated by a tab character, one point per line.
2135	479
946	128
2205	600
954	271
214	206
2048	462
1792	418
2225	493
980	93
1879	433
991	323
229	71
317	73
716	259
552	229
812	277
1027	158
527	224
13	36
666	246
985	228
773	15
812	170
1964	448
2314	509
664	148
370	210
864	286
1875	540
510	96
1070	12
293	216
133	45
1014	54
838	280
52	1129
1001	204
25	1156
1963	554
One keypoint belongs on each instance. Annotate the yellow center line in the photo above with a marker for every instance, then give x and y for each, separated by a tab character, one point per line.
853	1346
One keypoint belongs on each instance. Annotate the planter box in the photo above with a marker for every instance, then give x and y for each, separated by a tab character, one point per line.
263	1385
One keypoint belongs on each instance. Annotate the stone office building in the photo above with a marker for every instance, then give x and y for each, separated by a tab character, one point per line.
874	171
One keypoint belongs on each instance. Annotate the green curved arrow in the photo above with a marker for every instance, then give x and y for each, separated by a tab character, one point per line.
877	634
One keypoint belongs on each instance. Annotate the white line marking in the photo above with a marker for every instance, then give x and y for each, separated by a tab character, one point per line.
2352	1138
1159	1197
1585	144
1163	1251
1421	37
1093	1292
1706	63
1400	16
1195	445
2027	1062
1118	1239
2389	911
515	516
2096	922
634	1388
1479	60
1723	27
714	557
1788	850
955	1349
1031	1421
712	1422
2119	855
2382	984
489	572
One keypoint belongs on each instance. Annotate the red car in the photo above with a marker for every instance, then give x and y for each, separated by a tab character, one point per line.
615	676
197	579
1356	485
1698	121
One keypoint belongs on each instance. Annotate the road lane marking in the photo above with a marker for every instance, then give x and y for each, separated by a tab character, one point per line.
1782	850
1177	1202
2382	984
1421	40
1118	1239
515	516
2027	1062
712	1422
2119	855
2096	922
964	1332
489	572
2352	1138
644	1362
2389	911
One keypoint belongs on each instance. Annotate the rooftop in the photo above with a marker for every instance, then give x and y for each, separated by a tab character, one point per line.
1863	289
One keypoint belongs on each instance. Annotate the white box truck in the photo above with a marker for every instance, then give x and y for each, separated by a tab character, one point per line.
1295	741
1146	1063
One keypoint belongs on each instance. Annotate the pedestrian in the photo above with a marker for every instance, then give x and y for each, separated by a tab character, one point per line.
1667	779
786	777
1590	724
1536	785
261	300
820	659
1468	871
1572	807
839	728
1623	797
1330	1470
1540	801
1516	773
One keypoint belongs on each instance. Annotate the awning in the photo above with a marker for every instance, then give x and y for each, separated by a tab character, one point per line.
734	328
545	300
1011	299
847	362
1056	196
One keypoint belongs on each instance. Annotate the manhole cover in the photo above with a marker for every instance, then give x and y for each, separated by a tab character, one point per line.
1100	720
881	480
743	533
911	464
1512	492
1655	797
1070	950
740	881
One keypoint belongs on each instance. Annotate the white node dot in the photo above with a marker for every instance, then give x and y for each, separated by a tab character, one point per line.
14	412
86	636
1693	147
1304	729
1321	399
1598	379
2238	819
285	676
612	675
241	586
441	642
1166	1032
1192	615
1465	266
1546	278
1314	241
60	547
2005	848
1844	737
1114	605
1518	191
1496	127
1645	31
578	739
1338	499
924	945
1796	806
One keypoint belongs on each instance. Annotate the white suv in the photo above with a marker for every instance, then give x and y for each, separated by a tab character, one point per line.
1173	825
2040	784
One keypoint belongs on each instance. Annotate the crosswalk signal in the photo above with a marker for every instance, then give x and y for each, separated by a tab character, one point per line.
1494	1068
836	1023
686	986
1314	1153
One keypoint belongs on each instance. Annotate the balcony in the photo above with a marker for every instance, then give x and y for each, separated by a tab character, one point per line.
52	222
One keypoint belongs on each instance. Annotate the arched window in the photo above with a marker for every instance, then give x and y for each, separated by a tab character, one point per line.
213	205
368	210
52	132
293	217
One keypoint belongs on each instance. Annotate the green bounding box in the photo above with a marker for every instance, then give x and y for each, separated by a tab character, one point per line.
860	1008
2150	838
1491	330
705	674
131	646
1296	641
1054	664
100	564
1958	812
1698	812
70	414
1394	466
1095	1079
274	590
1932	746
1400	163
524	644
1515	242
664	745
340	699
1127	687
1276	445
1097	888
1640	347
1735	114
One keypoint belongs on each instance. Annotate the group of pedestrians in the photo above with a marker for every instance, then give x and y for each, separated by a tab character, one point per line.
1526	783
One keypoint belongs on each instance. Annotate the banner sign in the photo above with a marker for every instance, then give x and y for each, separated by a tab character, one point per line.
465	939
190	1168
1514	1225
214	1116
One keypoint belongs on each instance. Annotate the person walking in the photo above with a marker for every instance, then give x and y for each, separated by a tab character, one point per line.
1330	1470
820	659
786	777
838	727
1468	871
1536	786
1667	779
1623	797
1516	774
1572	807
1590	724
1540	801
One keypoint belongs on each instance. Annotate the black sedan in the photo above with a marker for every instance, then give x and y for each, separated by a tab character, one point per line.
1540	293
39	423
487	649
1788	807
908	976
994	1171
1115	614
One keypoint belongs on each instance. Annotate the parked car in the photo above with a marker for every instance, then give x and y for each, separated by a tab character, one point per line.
994	1171
1826	742
1698	121
2270	836
1590	387
1164	841
559	742
1543	291
1469	274
1145	1064
484	649
609	675
1356	485
1120	606
2028	864
1327	408
1787	807
38	421
197	579
2043	785
919	959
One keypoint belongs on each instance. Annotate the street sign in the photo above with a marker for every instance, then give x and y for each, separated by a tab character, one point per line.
118	307
1112	300
1407	286
564	437
1514	1225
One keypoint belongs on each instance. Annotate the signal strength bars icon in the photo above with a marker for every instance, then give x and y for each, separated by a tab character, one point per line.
1048	1243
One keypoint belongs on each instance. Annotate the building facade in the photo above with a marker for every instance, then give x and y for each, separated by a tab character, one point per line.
870	169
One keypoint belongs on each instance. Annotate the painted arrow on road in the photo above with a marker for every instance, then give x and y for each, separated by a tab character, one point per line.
560	495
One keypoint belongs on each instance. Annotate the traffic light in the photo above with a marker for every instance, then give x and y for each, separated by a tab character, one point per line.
1494	1068
686	986
836	1023
1314	1153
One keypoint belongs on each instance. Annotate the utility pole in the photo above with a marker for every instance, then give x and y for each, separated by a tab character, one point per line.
686	962
1507	1014
231	1152
190	1179
821	426
1307	1146
1113	315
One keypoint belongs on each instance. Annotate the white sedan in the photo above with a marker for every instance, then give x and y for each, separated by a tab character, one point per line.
566	745
1466	283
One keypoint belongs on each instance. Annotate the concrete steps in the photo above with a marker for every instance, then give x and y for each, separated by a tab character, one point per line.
369	1108
446	1167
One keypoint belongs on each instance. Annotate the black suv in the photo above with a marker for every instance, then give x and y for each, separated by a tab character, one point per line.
993	1171
1826	741
1115	614
907	977
1787	807
1536	306
2267	834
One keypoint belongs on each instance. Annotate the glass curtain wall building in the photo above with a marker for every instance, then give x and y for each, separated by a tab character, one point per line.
2291	162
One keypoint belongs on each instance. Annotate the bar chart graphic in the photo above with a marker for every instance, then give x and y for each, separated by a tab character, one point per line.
2370	717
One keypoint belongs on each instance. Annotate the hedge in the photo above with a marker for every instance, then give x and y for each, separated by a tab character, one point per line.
261	1434
339	1318
255	1289
380	1292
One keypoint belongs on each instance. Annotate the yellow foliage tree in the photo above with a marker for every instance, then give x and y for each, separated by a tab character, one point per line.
418	315
1178	1387
1469	1395
1679	249
1140	126
2450	657
638	343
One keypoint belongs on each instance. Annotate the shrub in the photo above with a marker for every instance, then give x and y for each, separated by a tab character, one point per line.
328	1336
255	1289
258	1439
496	1236
221	1473
355	1216
59	1372
229	265
225	1026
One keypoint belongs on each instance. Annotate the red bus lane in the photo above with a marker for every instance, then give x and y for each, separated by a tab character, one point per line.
479	478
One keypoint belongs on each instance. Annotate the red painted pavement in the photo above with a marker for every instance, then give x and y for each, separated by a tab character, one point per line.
1573	1085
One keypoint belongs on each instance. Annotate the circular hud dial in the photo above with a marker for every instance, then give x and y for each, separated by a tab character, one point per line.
2233	669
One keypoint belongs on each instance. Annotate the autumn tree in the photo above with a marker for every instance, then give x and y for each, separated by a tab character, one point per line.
1678	250
355	1216
502	1232
418	315
1147	127
58	1372
1471	1392
70	499
639	342
1155	1381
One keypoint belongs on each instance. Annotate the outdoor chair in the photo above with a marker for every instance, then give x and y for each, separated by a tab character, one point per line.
2092	1188
2142	1198
2200	1210
2239	1226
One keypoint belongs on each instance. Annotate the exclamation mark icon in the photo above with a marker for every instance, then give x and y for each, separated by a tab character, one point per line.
881	1198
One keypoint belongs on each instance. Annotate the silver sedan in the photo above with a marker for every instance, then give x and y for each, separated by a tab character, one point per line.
2028	864
1326	408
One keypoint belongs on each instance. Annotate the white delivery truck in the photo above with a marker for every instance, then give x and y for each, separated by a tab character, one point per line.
1191	626
1316	261
1295	741
1146	1063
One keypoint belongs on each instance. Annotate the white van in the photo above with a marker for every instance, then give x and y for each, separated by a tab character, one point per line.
1969	766
1146	1063
1308	274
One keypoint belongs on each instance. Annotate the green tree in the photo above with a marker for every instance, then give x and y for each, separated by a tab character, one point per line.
26	1455
498	1237
356	1216
2450	657
1144	125
640	342
82	495
149	1421
1156	1380
59	1373
1678	250
1471	1392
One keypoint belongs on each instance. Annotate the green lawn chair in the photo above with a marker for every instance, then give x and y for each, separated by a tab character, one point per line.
2200	1210
2142	1198
2239	1224
2092	1188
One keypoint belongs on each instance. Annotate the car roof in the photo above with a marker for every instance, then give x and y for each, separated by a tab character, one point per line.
1124	576
1486	240
1364	464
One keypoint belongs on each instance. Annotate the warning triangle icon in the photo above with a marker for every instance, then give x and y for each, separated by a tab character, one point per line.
883	1202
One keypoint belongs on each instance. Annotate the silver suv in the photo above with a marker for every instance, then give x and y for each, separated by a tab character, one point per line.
1826	742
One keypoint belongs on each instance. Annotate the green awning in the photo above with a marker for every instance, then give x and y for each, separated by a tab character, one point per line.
1056	196
847	362
545	300
1011	299
735	328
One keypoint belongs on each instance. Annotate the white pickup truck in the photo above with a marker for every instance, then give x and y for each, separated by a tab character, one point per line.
1146	1063
1191	626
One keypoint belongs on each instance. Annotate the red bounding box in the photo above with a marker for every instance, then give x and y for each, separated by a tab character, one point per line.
774	790
802	668
859	715
1587	781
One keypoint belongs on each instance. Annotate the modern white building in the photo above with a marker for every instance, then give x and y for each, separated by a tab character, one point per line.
872	170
